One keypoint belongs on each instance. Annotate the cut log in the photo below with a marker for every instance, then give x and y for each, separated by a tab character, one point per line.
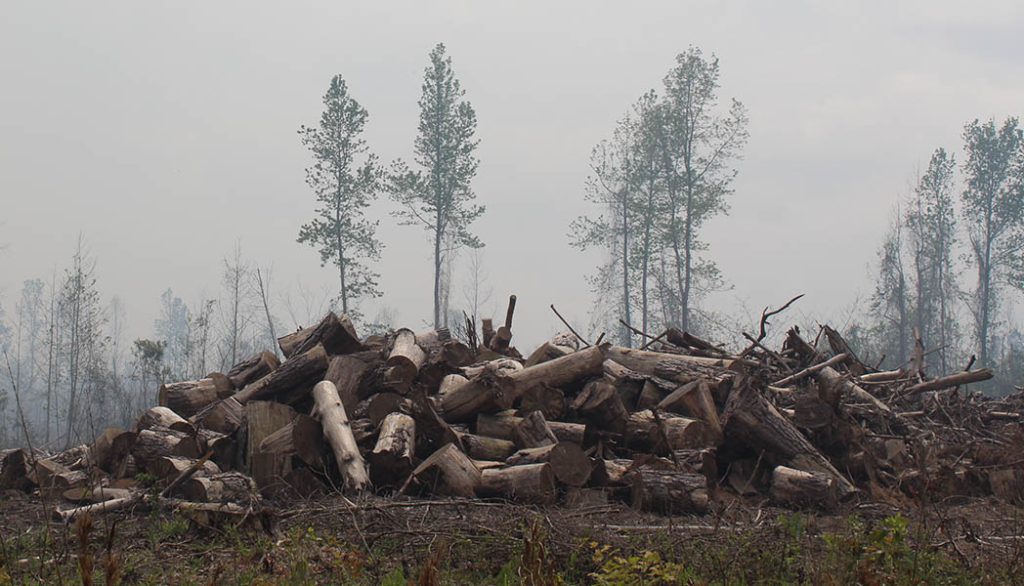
830	377
391	459
503	426
405	359
218	488
753	421
599	404
668	492
346	372
655	363
253	369
695	399
263	419
803	490
533	431
547	351
531	484
224	416
109	452
335	333
304	483
548	400
493	393
568	462
164	417
447	472
169	467
384	404
151	444
186	398
297	372
497	366
665	433
481	447
302	438
97	494
450	383
53	479
331	414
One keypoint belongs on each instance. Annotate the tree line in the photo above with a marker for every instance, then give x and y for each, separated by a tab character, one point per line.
947	271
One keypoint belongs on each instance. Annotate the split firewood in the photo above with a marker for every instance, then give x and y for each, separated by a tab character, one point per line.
252	369
335	333
331	414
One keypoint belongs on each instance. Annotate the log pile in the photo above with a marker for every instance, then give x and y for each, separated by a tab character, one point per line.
679	426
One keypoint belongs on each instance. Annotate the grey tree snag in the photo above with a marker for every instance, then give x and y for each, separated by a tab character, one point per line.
993	203
346	179
438	196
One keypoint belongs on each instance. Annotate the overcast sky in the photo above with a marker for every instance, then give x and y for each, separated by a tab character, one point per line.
166	131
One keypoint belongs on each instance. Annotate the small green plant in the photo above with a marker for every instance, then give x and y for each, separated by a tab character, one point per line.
395	578
646	568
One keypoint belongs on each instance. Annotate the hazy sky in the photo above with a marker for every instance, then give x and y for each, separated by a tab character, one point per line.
166	131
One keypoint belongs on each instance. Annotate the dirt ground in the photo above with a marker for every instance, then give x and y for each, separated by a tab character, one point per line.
383	541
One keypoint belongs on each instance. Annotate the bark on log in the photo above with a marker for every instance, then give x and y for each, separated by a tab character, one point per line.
335	333
695	400
151	444
302	438
533	432
52	478
547	351
186	398
346	372
503	426
227	487
548	400
668	492
829	376
950	381
263	419
405	359
169	467
497	366
488	394
652	363
600	405
665	433
803	490
224	416
331	414
481	447
109	452
163	417
755	422
450	383
531	484
391	459
253	369
447	472
384	404
568	462
297	372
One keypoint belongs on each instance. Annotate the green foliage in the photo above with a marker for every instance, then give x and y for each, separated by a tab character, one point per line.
438	196
645	568
344	188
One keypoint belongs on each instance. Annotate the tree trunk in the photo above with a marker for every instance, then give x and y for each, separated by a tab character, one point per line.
331	414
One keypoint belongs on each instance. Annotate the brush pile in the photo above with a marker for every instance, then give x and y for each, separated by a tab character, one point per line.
681	426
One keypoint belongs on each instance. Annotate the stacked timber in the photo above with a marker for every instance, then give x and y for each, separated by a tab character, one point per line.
679	426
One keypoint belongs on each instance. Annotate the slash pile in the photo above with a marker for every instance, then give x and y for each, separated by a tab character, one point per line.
680	426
